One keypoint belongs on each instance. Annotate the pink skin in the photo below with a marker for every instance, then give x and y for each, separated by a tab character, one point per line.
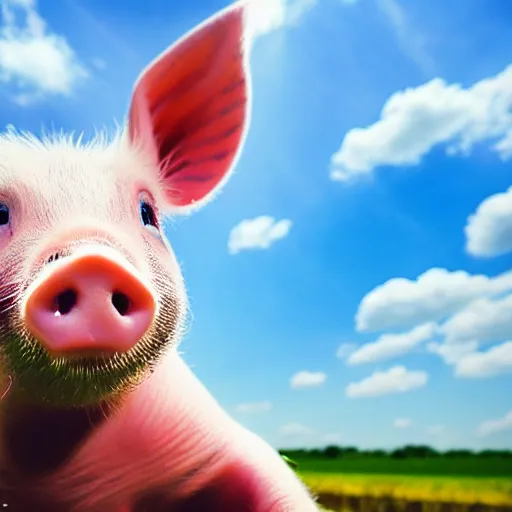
78	219
173	444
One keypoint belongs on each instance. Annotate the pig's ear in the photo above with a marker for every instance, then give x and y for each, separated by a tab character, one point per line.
190	108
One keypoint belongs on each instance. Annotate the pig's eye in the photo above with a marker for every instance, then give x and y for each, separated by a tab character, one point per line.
148	215
4	214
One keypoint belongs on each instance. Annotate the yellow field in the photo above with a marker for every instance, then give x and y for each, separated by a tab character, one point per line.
467	490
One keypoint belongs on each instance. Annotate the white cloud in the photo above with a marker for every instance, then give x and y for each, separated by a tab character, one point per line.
434	295
402	423
37	61
345	349
415	120
489	427
489	230
254	407
395	380
504	146
258	233
306	379
268	15
435	430
389	346
452	353
295	430
485	320
495	361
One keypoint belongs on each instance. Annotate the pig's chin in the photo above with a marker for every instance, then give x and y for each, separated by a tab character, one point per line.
78	381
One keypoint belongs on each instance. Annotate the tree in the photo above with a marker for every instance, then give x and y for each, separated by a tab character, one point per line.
332	452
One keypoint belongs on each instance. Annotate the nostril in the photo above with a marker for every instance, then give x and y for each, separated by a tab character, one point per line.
121	302
65	302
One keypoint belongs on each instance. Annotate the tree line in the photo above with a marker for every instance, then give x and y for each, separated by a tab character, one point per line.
405	452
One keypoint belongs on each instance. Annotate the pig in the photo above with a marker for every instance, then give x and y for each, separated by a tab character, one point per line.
99	411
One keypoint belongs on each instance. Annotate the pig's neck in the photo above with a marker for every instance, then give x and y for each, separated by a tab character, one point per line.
36	440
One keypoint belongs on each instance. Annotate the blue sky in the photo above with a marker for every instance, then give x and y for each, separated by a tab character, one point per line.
379	149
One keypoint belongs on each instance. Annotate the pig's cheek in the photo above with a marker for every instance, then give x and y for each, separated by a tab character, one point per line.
5	236
161	256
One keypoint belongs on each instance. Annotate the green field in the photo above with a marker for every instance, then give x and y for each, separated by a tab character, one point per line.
465	481
470	467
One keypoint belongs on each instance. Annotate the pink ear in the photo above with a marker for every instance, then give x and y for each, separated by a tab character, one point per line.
190	108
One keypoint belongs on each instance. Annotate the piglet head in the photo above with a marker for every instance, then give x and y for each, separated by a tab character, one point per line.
91	295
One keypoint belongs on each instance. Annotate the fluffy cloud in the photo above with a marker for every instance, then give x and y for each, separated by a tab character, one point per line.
489	427
434	295
415	120
489	230
504	146
495	361
307	379
395	380
485	320
258	233
295	430
268	15
402	423
475	308
37	61
452	353
254	407
389	346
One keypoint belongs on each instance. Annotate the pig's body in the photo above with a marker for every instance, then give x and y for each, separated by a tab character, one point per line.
102	415
170	447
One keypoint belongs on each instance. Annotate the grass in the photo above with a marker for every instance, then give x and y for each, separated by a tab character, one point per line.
434	467
463	481
464	490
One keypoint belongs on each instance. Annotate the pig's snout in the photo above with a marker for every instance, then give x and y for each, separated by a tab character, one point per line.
89	303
